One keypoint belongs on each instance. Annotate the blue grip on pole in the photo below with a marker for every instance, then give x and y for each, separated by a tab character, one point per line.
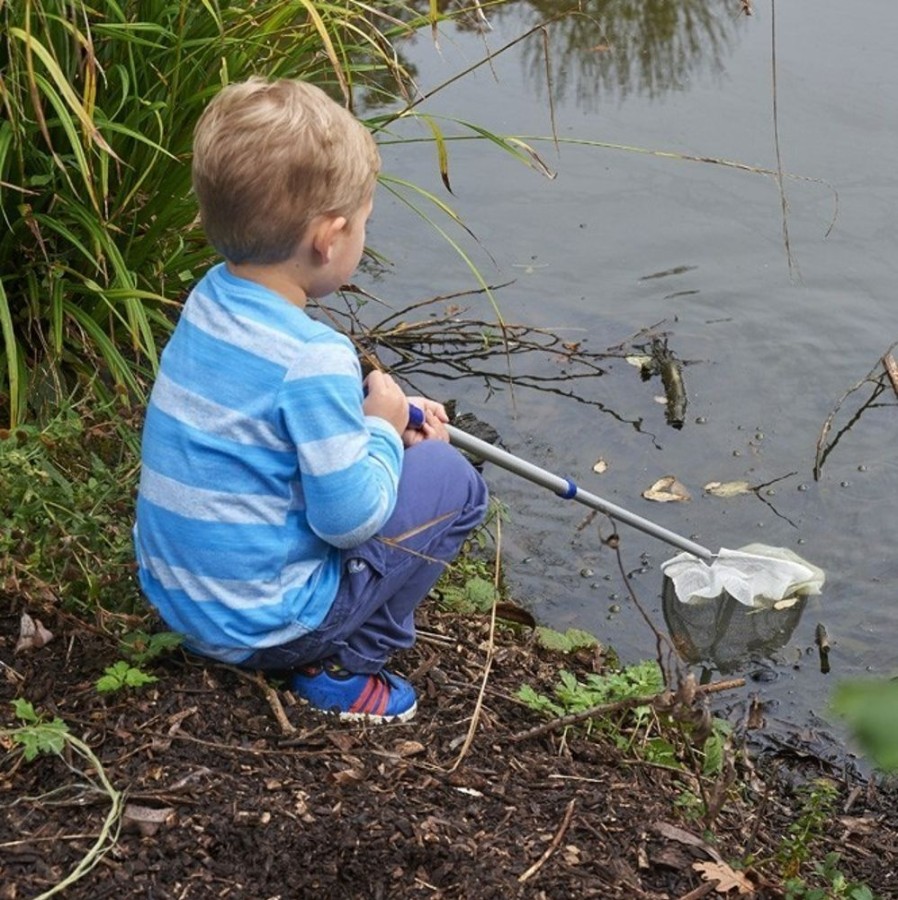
415	416
570	492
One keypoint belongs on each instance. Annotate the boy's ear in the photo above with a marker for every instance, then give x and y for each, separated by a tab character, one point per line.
325	232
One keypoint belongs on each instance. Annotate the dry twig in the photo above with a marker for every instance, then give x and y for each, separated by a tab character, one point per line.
490	654
559	836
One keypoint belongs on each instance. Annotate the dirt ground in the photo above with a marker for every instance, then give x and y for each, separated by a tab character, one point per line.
231	789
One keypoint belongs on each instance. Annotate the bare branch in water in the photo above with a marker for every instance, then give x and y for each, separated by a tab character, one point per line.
879	383
437	337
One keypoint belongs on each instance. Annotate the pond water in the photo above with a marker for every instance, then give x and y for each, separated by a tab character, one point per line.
773	330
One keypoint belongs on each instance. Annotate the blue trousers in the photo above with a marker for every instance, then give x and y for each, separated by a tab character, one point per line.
441	499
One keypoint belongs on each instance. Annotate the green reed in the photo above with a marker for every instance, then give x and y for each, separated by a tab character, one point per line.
98	237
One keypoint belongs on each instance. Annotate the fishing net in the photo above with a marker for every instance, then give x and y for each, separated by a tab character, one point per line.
757	576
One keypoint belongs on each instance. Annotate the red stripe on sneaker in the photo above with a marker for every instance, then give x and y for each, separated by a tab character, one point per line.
383	697
374	698
360	704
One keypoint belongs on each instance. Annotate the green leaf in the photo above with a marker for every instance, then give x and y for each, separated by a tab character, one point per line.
37	736
25	711
121	675
140	647
661	752
714	755
553	640
11	353
481	594
538	702
565	642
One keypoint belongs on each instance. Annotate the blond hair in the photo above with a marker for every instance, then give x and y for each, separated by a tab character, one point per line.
268	157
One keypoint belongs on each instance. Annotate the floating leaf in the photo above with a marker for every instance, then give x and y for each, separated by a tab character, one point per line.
786	603
667	489
728	488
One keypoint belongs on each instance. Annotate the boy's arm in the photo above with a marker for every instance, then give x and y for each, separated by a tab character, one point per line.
349	462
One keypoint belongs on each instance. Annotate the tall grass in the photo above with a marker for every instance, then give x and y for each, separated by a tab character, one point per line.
98	238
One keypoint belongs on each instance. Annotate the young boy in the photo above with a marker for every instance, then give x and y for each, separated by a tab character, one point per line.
288	517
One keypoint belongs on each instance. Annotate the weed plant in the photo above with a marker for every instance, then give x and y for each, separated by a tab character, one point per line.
66	507
98	235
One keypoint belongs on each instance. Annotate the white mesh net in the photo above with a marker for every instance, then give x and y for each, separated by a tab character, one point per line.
757	576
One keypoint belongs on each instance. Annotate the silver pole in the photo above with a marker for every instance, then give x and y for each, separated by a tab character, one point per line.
567	489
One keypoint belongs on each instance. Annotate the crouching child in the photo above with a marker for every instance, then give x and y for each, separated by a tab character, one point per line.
288	518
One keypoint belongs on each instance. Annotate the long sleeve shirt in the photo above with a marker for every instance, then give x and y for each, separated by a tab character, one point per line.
258	465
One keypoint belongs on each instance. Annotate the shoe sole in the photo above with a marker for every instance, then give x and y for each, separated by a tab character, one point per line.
367	718
377	720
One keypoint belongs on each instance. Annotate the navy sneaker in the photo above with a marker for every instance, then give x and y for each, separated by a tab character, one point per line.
379	698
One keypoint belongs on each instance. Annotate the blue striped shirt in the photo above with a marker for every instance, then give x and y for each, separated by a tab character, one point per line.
258	464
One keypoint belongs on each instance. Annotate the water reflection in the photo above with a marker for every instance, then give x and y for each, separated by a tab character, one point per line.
610	49
725	634
597	49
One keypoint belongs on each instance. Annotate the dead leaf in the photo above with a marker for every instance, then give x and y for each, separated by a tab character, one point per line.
347	776
146	820
682	836
600	466
511	612
666	490
32	635
726	877
409	748
862	825
342	740
728	488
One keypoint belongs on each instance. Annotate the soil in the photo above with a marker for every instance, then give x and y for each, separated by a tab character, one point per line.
232	789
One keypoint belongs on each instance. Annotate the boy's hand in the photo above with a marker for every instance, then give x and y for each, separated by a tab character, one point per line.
386	400
434	427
